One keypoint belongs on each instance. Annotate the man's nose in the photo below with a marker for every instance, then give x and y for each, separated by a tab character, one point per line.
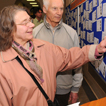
59	11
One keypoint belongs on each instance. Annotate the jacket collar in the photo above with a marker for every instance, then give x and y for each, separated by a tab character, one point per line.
48	25
11	54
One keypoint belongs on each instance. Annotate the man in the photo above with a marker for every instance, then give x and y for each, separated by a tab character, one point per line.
55	31
38	16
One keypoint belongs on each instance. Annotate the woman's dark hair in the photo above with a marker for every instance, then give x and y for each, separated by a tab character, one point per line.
7	25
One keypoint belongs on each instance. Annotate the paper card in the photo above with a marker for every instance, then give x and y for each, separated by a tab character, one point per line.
76	18
87	15
100	1
97	65
104	9
66	18
96	40
103	35
74	14
90	6
88	36
81	8
102	68
71	14
93	63
76	11
99	25
105	25
87	5
99	11
69	21
84	24
90	25
104	72
84	13
79	39
74	104
87	25
66	21
91	37
81	19
79	30
94	16
82	43
83	34
94	3
100	61
74	24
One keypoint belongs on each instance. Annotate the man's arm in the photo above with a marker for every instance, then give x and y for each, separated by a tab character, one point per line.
77	77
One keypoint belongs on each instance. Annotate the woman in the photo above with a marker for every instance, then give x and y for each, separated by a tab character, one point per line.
40	58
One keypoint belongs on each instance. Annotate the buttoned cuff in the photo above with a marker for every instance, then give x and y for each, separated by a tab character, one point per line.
93	53
74	89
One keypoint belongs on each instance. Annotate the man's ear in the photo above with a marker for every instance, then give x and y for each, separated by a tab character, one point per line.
44	9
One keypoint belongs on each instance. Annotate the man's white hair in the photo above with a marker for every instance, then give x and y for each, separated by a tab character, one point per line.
46	3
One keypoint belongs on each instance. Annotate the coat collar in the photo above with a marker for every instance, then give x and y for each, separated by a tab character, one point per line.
11	54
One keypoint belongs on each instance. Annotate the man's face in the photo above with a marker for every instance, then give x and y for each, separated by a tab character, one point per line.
55	11
39	14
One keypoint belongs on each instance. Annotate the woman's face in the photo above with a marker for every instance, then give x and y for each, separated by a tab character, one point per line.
24	27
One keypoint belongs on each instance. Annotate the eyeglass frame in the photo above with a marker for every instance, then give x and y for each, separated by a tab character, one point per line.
27	22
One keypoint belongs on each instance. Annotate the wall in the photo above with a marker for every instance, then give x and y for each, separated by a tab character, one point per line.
91	19
4	3
68	2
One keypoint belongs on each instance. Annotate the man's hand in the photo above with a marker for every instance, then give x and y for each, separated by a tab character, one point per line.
101	48
73	98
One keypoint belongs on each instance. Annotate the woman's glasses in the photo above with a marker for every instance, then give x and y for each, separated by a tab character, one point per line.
26	23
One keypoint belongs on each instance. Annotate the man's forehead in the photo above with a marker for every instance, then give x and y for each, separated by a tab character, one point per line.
54	3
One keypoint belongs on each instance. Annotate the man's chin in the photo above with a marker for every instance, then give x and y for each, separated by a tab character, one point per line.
57	21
